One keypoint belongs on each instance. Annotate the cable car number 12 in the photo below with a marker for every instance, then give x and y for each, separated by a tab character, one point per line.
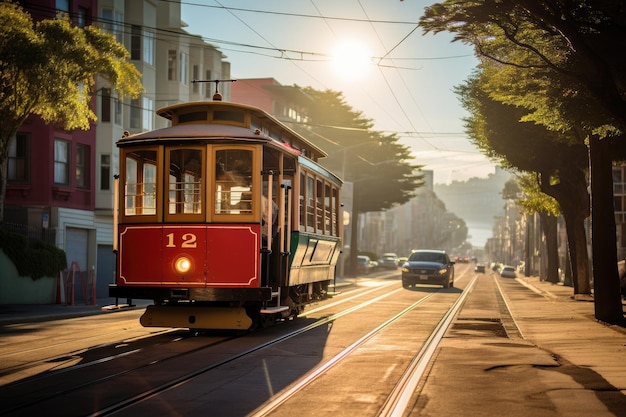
189	240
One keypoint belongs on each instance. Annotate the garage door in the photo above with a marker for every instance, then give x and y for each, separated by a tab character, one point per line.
76	246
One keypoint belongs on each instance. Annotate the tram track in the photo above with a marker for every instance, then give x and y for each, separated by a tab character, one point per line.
321	322
66	373
262	346
63	360
280	399
296	389
399	398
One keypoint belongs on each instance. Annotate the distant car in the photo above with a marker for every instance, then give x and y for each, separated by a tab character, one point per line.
479	268
508	272
388	261
428	267
363	264
402	260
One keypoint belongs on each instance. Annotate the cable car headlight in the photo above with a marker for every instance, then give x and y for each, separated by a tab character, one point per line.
182	265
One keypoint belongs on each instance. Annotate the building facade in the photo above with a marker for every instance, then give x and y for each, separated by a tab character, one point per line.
61	184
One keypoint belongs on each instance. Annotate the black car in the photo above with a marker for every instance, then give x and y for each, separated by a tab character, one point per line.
428	267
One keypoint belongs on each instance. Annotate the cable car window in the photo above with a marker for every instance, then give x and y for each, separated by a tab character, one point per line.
197	116
229	116
319	208
328	211
233	181
335	208
185	181
302	201
140	186
310	203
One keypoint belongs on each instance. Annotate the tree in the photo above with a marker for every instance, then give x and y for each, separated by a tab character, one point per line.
536	201
559	161
377	164
48	69
581	41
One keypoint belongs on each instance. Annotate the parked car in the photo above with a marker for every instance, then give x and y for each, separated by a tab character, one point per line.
479	268
388	261
428	267
508	272
363	265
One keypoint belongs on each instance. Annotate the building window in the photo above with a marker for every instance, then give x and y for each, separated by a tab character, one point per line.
135	42
184	68
62	5
135	113
83	17
147	111
61	162
112	23
207	86
195	87
171	65
118	112
19	159
105	103
105	172
82	166
148	47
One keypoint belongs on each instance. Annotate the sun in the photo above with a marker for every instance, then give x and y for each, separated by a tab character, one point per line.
351	59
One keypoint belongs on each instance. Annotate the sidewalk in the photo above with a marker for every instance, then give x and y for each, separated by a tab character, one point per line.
28	313
562	362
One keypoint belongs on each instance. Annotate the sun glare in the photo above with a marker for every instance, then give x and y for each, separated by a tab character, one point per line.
351	60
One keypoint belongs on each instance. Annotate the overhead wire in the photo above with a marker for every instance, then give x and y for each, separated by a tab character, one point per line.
392	90
166	34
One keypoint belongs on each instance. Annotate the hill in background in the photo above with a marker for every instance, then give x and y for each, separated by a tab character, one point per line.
477	201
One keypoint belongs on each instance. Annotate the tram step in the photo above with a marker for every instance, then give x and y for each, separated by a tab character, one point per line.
274	309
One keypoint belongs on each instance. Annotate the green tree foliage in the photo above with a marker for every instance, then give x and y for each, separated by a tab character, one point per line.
574	49
48	69
536	201
511	190
558	159
33	260
380	167
533	199
581	40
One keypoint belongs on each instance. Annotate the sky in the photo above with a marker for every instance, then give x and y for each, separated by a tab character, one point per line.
390	71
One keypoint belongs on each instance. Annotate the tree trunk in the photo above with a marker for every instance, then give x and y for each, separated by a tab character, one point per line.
607	297
3	181
577	244
550	231
571	193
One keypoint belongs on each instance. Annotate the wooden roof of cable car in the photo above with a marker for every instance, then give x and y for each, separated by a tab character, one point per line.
296	143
